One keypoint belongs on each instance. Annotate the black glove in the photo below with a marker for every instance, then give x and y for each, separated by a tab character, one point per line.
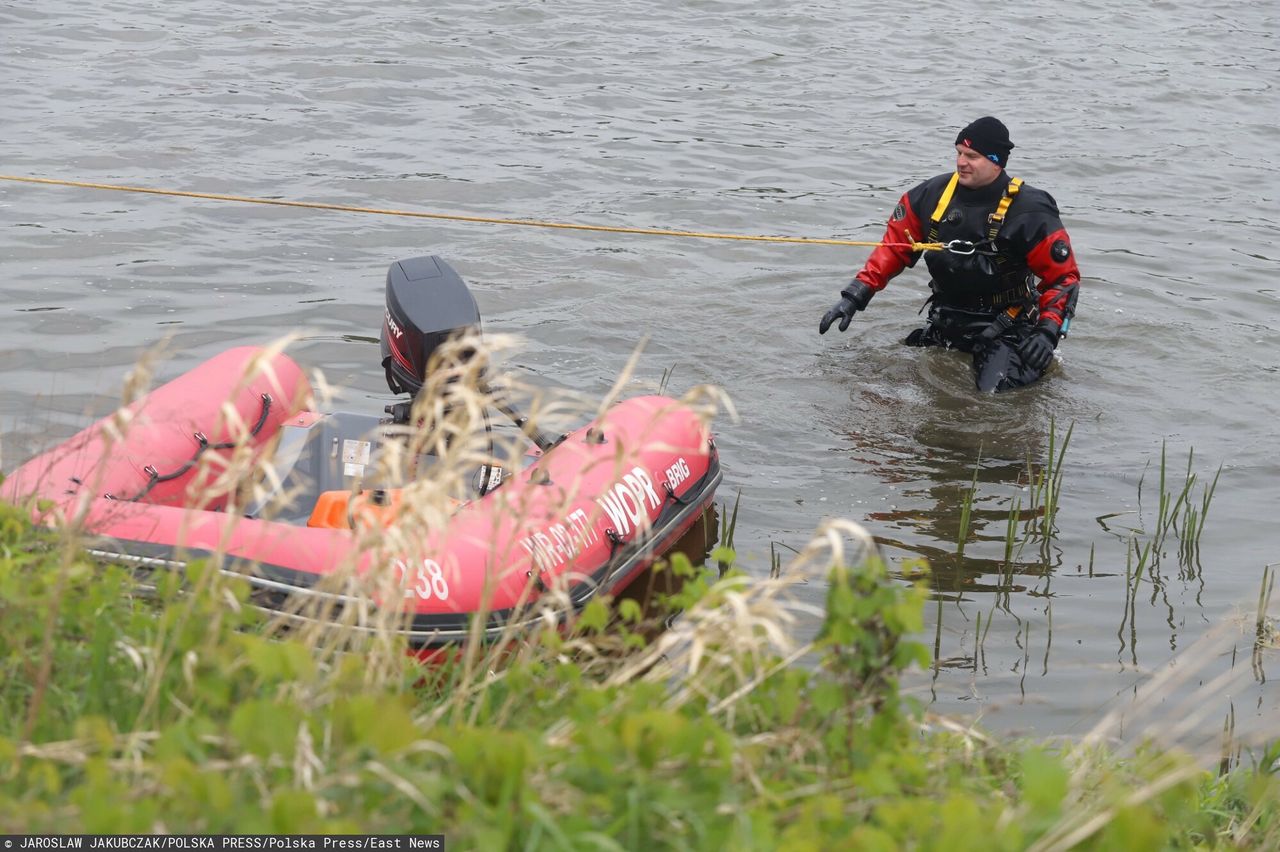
853	298
1037	350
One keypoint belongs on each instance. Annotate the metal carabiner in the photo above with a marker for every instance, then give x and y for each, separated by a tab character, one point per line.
963	247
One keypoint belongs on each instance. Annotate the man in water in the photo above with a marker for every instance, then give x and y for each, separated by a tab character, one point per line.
1006	287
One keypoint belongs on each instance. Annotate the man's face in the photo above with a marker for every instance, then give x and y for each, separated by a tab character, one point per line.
975	169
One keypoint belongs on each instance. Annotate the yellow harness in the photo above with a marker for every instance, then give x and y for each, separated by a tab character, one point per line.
995	220
944	202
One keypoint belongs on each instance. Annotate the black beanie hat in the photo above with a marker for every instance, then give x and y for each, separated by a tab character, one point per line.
989	137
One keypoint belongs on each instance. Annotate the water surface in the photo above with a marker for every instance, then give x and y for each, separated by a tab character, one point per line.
1154	129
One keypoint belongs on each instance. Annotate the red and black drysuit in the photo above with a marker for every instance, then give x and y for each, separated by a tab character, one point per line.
1022	278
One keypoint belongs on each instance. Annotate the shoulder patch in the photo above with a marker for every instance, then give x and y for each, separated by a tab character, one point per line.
1060	250
899	212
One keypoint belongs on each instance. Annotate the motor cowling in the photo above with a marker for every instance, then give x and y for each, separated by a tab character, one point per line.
427	303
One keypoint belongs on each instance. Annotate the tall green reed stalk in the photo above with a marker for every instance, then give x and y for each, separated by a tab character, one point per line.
1176	511
1046	488
1263	630
966	508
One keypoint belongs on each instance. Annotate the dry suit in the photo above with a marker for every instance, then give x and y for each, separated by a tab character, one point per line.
1010	272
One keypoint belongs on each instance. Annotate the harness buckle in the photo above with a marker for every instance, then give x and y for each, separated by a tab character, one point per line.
962	247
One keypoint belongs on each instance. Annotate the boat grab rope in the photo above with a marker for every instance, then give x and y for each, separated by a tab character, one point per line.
491	220
155	477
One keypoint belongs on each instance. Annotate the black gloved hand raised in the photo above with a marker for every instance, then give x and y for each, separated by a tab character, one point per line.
853	298
1037	350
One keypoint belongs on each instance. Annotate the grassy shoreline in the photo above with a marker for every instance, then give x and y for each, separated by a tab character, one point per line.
180	712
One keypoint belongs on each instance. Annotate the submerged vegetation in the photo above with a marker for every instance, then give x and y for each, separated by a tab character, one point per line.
1162	530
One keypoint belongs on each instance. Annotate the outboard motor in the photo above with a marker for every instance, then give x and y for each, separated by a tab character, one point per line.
427	303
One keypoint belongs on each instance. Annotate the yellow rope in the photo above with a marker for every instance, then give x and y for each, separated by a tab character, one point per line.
455	217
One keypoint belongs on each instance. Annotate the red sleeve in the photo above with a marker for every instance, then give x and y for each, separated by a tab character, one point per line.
894	253
1053	261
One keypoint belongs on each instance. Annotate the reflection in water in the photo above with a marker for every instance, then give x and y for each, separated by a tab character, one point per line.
971	480
977	493
973	500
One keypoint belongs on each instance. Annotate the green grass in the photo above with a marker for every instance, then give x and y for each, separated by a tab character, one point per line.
176	712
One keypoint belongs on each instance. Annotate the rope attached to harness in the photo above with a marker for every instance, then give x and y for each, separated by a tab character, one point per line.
457	217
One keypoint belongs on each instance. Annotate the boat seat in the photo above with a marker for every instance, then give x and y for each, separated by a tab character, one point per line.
338	510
